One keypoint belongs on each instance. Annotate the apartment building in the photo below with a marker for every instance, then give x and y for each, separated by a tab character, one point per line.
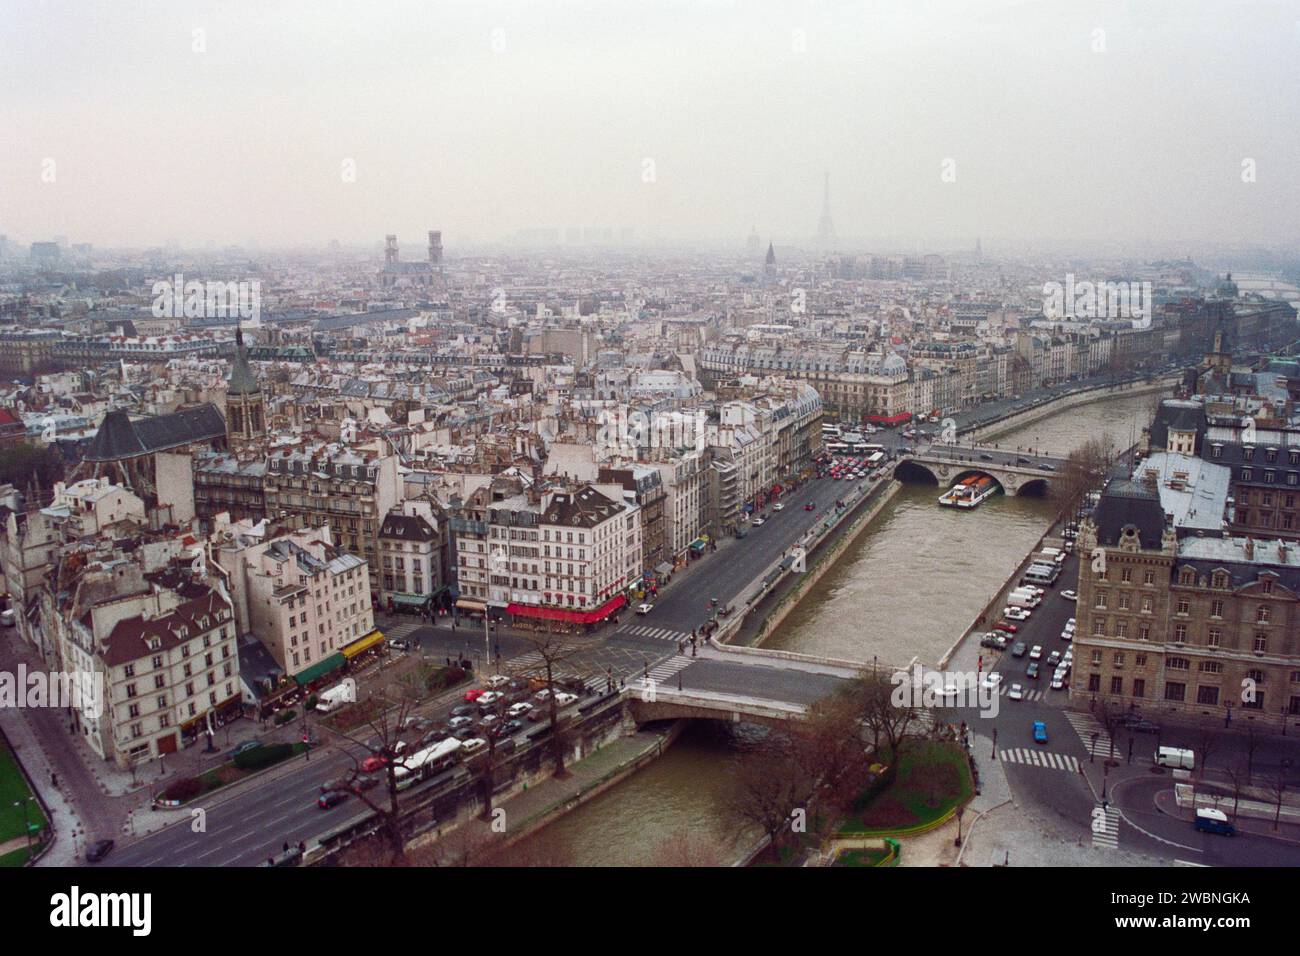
1203	625
350	489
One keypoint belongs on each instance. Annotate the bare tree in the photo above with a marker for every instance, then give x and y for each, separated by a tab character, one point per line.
683	848
772	788
1277	787
1253	739
387	749
828	745
1207	742
554	649
886	714
1238	777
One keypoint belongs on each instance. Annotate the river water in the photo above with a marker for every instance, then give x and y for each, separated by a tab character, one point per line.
907	587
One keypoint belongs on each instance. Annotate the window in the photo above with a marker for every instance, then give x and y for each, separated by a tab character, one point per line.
1139	687
1209	696
1216	608
1261	642
1175	691
1263	613
1214	638
1117	685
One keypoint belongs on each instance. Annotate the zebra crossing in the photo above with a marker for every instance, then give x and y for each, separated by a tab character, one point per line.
664	670
1040	758
658	633
1029	693
533	664
1085	725
1105	827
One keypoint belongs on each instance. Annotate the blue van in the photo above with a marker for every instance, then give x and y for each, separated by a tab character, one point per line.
1214	821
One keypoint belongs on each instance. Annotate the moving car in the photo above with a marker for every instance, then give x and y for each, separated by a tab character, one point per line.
1070	595
1058	680
458	722
498	680
472	745
757	522
810	506
779	506
1019	649
474	694
519	709
644	609
373	763
491	697
1032	670
98	850
1036	652
1053	658
1016	692
331	799
564	699
1040	732
992	680
1140	725
398	644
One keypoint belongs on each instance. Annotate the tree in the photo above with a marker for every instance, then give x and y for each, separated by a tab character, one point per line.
387	725
1253	739
1207	742
1277	786
554	649
771	787
886	718
1238	777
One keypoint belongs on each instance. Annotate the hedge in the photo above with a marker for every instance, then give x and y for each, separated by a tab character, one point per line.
260	757
284	716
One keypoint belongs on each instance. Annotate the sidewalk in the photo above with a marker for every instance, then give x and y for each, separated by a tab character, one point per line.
69	837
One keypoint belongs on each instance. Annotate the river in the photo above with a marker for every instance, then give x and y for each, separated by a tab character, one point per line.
908	586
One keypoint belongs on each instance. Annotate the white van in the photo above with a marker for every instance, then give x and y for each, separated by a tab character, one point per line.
8	618
1175	757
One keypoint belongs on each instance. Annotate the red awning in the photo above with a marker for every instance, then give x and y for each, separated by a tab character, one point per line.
890	419
568	615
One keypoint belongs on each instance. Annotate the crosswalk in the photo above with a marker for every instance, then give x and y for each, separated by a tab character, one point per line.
1105	827
1029	693
1040	758
533	664
658	633
662	672
1085	725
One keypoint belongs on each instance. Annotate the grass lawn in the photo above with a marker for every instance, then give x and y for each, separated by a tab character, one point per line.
16	858
934	777
13	788
866	857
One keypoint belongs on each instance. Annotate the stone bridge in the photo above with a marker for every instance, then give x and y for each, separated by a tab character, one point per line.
1016	472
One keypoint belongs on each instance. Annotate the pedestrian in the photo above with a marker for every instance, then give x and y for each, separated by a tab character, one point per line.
302	847
286	846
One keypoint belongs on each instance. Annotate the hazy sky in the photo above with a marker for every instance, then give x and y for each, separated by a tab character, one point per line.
483	118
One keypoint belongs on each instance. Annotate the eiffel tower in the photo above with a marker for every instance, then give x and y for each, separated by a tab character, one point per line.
826	228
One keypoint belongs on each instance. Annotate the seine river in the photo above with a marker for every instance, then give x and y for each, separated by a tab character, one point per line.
908	587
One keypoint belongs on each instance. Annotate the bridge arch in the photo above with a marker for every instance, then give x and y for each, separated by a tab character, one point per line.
914	472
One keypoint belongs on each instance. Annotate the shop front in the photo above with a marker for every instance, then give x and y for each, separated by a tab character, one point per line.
562	619
364	651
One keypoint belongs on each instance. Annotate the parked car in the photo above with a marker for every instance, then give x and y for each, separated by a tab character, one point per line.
1005	625
1140	725
245	747
1058	680
98	850
1214	821
331	799
1053	658
1036	652
1016	613
1040	732
810	506
994	640
1032	670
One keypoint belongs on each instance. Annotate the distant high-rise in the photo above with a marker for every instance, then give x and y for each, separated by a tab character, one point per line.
769	268
826	228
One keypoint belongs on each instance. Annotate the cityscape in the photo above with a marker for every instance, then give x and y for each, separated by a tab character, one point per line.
550	465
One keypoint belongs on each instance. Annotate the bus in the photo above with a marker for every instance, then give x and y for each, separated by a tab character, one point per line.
876	458
425	763
837	448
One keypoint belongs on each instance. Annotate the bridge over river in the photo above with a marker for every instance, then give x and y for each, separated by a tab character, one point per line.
1017	472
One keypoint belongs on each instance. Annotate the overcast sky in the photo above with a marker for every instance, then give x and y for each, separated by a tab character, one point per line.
484	118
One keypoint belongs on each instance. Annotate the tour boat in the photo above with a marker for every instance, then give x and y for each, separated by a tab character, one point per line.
969	493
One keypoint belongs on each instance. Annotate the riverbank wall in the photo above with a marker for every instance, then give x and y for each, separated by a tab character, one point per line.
1073	400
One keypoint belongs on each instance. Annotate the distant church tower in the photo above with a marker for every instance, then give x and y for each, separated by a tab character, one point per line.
769	268
245	415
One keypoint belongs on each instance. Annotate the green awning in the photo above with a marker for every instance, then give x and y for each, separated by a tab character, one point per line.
320	669
409	600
